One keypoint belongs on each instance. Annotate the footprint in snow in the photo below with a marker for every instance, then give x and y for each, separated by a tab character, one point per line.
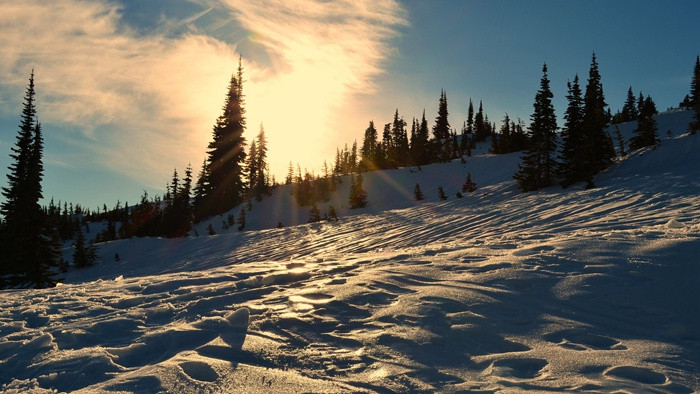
581	340
638	374
521	368
199	370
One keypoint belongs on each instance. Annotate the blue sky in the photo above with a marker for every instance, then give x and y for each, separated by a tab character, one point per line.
128	90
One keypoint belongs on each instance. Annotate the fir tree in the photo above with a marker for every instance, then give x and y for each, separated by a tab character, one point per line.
537	170
226	153
82	255
419	144
314	214
571	168
441	193
368	152
695	97
469	186
260	184
441	129
251	166
646	131
332	214
358	196
480	125
597	142
290	175
28	253
417	193
629	110
470	118
241	219
201	191
620	141
400	140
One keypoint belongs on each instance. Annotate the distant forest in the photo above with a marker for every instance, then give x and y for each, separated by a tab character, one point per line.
32	236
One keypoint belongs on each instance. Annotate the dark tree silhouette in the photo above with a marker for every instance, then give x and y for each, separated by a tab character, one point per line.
646	130
417	193
226	155
537	169
695	97
571	168
29	255
597	142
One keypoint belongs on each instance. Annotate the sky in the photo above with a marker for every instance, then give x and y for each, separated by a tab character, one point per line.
128	91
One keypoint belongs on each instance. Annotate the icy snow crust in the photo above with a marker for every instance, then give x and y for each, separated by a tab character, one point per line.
584	290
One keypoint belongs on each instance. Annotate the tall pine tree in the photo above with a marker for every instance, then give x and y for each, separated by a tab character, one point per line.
441	129
261	186
538	167
29	256
695	97
598	144
368	151
226	153
629	110
571	167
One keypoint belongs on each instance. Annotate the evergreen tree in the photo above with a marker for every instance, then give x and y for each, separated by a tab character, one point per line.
480	125
251	166
290	175
332	214
464	140
441	129
181	211
629	110
419	144
314	214
201	191
358	196
470	118
83	256
417	193
226	153
646	131
388	152
260	184
441	193
620	141
241	219
695	97
571	168
537	170
28	253
400	140
469	186
597	142
368	152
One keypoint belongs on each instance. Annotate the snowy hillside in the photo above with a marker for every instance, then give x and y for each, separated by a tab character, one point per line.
584	290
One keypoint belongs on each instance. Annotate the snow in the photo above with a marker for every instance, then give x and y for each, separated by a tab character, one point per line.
578	290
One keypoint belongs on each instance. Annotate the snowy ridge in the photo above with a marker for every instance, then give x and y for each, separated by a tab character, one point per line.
555	290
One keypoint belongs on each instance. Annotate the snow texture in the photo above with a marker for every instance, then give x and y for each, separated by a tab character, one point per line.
564	290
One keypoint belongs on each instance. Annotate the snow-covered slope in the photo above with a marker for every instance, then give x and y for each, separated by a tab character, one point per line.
554	290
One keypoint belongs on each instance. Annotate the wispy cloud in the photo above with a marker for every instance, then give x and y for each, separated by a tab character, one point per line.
143	103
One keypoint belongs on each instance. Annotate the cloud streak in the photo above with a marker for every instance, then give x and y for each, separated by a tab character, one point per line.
141	103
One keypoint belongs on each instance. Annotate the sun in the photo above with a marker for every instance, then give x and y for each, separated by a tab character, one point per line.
297	110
